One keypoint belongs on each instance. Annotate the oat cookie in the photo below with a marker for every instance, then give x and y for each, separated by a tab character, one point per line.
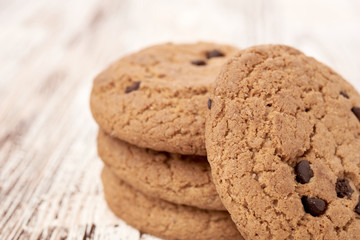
164	219
283	140
157	98
180	179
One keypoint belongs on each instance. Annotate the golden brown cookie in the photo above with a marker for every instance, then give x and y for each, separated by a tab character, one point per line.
164	219
157	98
173	177
283	140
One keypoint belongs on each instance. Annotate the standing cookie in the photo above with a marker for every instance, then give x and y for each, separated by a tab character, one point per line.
283	140
157	98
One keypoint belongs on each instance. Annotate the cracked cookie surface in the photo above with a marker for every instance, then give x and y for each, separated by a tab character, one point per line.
157	98
283	140
164	219
180	179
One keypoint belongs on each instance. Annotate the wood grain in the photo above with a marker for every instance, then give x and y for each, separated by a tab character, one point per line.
51	50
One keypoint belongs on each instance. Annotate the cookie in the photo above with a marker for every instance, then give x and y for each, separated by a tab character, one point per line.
157	98
180	179
164	219
283	140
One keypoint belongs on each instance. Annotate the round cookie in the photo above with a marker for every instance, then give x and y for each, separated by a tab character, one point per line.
164	219
176	178
283	140
157	98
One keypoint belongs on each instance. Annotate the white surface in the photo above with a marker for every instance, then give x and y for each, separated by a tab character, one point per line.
51	50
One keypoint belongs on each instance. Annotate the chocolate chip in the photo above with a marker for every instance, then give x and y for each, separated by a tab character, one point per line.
135	86
356	111
314	206
344	95
198	62
357	208
209	103
343	188
214	53
303	172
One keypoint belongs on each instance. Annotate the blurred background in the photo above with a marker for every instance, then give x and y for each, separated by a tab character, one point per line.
50	51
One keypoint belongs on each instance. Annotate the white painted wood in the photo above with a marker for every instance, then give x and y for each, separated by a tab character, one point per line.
51	50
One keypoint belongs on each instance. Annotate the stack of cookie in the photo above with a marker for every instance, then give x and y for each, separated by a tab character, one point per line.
282	134
151	108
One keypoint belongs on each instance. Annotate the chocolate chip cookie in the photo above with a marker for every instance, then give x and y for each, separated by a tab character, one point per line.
164	219
180	179
283	140
157	98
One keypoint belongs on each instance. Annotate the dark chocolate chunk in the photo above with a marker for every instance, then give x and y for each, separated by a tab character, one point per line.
303	172
135	86
343	188
214	53
344	95
314	206
209	103
198	62
356	111
357	208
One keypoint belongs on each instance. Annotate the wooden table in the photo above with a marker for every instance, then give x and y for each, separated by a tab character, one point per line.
51	50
